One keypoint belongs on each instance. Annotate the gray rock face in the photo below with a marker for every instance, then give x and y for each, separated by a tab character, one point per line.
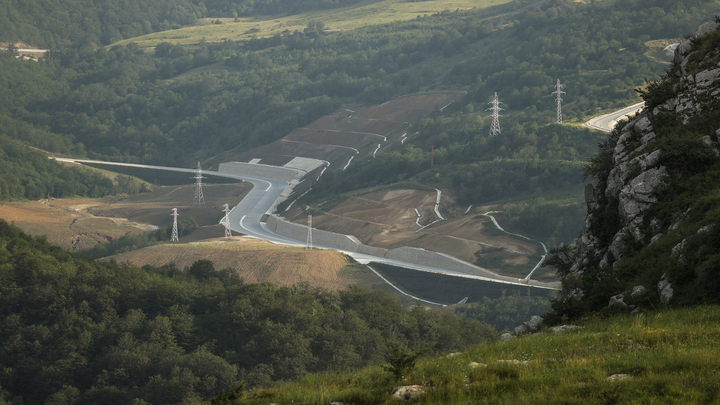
705	29
591	194
705	78
677	249
636	176
638	196
506	336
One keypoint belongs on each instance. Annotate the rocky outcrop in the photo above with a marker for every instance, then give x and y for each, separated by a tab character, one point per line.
622	194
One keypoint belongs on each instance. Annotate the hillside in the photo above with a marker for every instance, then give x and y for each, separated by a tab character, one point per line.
650	237
79	224
98	333
388	219
666	357
257	261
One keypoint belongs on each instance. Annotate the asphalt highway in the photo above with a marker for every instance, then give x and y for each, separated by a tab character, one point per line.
245	218
607	122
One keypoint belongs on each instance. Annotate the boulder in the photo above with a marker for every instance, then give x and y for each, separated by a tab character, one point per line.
638	291
617	300
410	392
477	365
619	377
534	323
665	289
506	336
522	329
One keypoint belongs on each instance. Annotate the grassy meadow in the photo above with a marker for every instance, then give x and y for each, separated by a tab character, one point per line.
659	357
339	19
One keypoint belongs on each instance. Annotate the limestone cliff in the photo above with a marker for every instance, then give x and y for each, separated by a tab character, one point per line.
652	205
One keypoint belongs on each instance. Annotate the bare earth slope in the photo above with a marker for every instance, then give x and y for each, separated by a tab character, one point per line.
348	133
80	223
388	219
258	261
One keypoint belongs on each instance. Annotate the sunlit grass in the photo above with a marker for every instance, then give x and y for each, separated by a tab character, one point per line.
670	357
340	19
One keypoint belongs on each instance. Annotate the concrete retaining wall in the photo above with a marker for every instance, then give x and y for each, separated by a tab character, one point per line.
252	169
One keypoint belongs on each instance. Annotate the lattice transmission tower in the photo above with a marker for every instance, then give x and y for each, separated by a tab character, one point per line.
495	126
226	222
199	199
174	235
309	244
559	93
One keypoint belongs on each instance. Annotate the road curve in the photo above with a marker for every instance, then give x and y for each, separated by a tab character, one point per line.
606	122
246	218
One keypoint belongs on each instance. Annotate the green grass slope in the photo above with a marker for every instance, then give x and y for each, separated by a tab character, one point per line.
661	357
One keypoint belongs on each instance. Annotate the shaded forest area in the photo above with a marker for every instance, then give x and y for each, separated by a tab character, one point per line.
107	333
28	174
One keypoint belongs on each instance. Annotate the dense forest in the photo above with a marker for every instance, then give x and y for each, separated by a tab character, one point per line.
29	174
106	333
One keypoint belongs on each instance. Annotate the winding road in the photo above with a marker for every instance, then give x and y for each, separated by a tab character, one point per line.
606	122
246	218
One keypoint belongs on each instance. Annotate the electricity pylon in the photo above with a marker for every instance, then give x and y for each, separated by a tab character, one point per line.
559	93
198	200
309	244
174	236
495	126
226	222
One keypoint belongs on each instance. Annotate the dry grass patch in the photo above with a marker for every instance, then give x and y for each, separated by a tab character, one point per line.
255	261
339	19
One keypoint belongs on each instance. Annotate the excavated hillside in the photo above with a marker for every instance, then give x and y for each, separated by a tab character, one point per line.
651	234
391	218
